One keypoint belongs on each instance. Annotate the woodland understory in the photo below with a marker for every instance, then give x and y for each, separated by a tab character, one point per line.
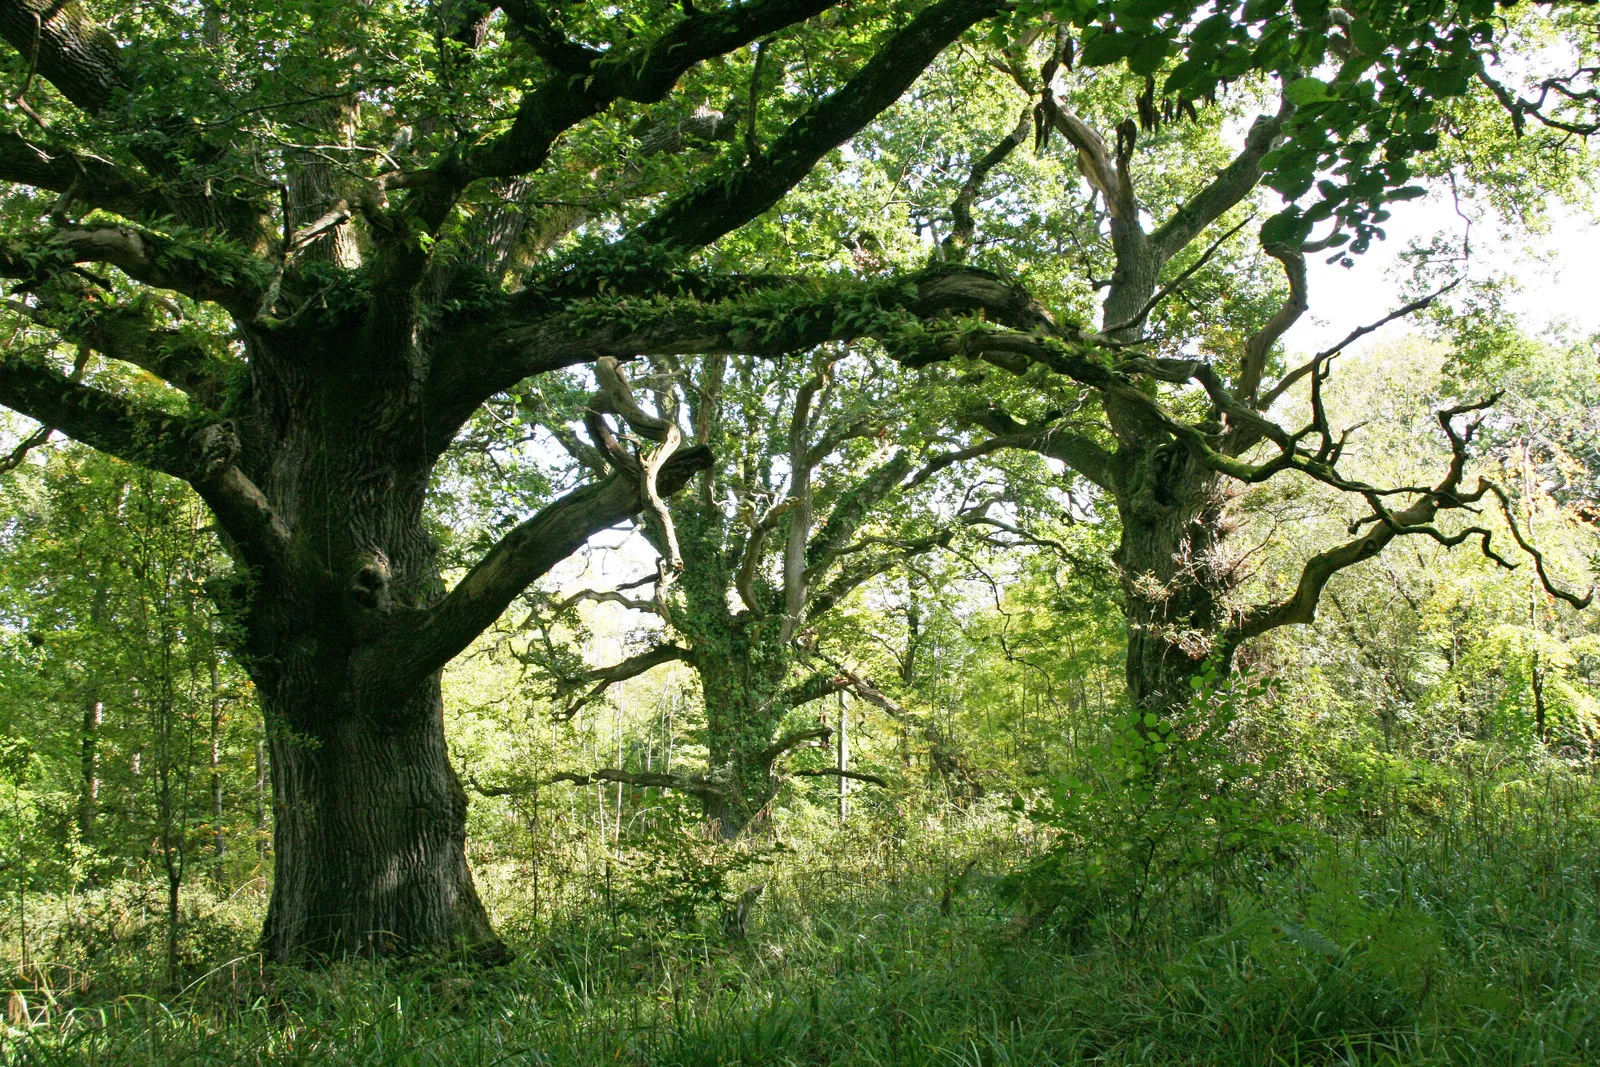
791	531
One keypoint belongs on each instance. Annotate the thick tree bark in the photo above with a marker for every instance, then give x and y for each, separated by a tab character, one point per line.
262	849
369	834
370	821
1174	571
743	711
347	627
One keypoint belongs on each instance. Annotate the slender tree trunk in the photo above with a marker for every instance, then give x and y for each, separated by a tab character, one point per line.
89	758
219	836
1536	676
261	801
89	741
842	735
174	888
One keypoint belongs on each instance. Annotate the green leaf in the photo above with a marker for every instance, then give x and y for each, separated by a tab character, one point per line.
1148	55
1304	91
1184	74
1105	48
1210	31
1366	38
1286	227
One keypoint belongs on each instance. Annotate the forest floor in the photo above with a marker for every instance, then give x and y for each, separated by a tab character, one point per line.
1471	937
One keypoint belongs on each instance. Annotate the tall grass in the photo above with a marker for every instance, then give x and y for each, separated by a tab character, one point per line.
1461	930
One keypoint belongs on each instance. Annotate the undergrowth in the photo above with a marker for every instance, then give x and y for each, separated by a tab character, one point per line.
1466	931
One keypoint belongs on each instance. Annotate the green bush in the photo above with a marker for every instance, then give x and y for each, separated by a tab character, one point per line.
1162	805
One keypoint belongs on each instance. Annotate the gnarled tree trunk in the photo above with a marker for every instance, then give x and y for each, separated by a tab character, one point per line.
742	712
370	824
1175	573
370	831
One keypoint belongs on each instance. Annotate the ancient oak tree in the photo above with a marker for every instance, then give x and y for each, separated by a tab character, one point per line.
299	245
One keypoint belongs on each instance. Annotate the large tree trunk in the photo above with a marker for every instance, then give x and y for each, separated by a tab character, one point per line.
741	717
1175	571
347	626
742	665
370	833
369	818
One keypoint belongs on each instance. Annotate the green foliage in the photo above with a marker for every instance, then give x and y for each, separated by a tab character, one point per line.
685	882
107	679
1524	686
1162	801
1397	948
1386	69
1435	903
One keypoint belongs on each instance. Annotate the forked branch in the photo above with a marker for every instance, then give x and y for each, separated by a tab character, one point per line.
1385	524
37	439
1579	602
602	678
426	641
729	200
819	734
962	224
